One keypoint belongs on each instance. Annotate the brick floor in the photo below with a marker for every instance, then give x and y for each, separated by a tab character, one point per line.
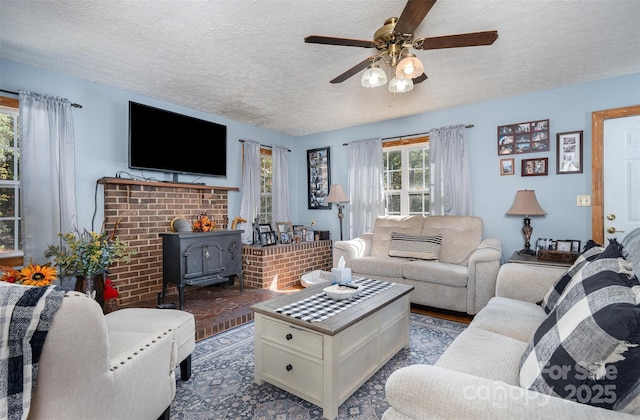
216	308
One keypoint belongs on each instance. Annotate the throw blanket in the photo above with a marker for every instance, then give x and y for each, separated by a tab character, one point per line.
26	314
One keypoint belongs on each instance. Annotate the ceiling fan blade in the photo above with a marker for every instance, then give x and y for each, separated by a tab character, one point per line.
329	40
412	15
472	39
353	70
420	79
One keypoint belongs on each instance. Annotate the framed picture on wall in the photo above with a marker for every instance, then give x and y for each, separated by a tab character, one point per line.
525	137
569	153
535	167
506	166
318	178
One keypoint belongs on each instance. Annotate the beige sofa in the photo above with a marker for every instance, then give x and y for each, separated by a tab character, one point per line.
463	278
478	375
88	370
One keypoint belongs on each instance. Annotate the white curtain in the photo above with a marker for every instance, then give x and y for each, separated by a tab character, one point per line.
366	194
280	210
47	172
450	180
250	188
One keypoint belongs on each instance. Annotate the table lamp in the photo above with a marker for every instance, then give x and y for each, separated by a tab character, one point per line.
526	204
337	195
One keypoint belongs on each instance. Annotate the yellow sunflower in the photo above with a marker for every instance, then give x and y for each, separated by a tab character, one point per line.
36	275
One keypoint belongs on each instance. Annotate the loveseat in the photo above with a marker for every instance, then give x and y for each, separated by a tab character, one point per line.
90	371
480	374
445	258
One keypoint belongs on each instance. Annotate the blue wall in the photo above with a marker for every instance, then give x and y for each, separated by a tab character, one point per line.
568	109
101	129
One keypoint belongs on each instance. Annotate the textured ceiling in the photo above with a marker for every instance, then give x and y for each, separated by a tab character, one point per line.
246	59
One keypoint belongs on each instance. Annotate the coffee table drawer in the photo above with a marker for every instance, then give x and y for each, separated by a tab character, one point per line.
293	337
301	374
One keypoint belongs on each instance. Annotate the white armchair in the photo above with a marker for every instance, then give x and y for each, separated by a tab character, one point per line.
87	371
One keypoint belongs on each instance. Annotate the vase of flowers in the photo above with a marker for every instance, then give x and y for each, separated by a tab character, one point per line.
87	255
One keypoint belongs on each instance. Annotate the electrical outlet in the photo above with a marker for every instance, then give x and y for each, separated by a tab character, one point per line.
584	201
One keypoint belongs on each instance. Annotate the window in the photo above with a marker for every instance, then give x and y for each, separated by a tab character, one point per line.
266	185
10	237
406	177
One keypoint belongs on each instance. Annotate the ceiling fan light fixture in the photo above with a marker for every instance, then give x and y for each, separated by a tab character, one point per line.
398	85
409	67
373	76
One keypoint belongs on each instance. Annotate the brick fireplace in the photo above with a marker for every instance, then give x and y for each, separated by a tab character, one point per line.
142	210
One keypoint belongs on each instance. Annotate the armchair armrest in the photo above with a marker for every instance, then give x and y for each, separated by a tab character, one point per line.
353	248
525	281
426	392
484	264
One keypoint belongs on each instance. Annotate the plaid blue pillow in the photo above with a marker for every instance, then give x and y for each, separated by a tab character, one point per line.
591	252
588	348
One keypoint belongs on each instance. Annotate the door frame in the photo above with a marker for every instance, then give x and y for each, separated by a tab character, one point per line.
597	165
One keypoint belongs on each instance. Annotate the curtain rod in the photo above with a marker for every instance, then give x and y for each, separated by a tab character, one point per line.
17	94
262	145
410	135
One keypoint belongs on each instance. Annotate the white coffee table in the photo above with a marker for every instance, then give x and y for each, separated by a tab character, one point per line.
325	362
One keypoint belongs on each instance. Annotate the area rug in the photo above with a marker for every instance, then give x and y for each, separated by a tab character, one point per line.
221	385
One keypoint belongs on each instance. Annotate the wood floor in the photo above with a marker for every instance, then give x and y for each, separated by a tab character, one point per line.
218	308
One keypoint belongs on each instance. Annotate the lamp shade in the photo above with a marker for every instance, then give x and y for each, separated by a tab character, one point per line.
526	204
337	195
373	76
409	67
400	85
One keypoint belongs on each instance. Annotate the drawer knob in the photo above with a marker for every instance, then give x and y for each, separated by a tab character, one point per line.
289	368
289	336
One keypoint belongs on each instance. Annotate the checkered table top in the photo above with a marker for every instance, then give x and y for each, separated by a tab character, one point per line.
318	307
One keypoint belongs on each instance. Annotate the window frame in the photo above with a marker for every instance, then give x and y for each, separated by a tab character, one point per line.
14	257
405	193
265	211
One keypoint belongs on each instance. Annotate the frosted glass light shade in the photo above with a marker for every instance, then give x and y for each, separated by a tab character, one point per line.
398	85
373	77
409	67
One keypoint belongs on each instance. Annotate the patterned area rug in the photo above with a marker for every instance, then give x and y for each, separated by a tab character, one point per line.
221	385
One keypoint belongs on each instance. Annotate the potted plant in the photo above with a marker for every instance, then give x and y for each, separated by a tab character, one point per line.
87	255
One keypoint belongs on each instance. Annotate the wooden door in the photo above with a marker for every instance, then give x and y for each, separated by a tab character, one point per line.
598	120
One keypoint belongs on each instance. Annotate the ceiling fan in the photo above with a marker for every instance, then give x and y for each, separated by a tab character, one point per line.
394	41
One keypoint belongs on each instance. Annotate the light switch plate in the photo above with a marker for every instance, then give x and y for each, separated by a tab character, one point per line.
584	201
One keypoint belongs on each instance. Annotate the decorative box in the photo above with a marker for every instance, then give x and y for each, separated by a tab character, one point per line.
557	256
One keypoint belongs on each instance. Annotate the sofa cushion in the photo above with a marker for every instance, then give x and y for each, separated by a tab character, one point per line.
588	348
591	251
413	246
485	354
461	235
510	317
436	272
378	266
386	225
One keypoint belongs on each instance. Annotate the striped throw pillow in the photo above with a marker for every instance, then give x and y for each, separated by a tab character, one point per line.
410	246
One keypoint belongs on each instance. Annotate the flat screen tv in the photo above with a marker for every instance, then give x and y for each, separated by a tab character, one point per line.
166	141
